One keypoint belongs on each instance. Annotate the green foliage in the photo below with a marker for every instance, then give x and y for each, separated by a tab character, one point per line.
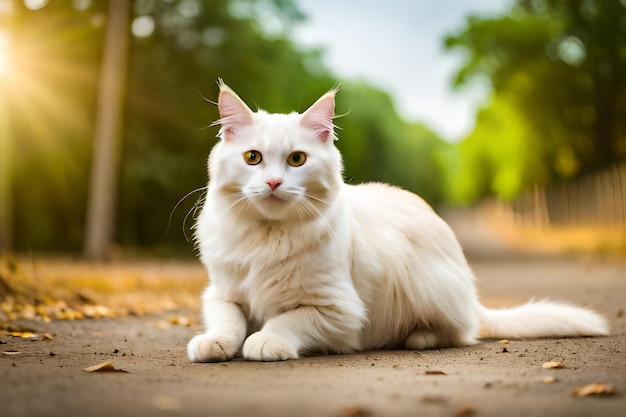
557	69
497	158
379	146
166	137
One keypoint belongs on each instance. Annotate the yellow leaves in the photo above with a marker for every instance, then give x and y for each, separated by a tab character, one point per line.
552	365
61	289
53	310
464	411
32	336
549	380
597	388
355	411
104	367
181	321
24	333
97	312
175	321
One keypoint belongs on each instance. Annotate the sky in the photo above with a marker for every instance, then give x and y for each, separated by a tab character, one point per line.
397	46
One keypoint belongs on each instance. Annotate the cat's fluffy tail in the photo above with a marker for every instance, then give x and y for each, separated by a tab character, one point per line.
541	319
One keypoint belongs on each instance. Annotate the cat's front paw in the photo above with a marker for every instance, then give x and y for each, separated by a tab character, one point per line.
208	348
266	346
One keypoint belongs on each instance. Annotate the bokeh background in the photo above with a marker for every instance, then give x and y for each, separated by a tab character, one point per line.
541	127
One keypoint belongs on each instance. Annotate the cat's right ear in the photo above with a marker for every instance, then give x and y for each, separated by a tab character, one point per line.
234	113
319	117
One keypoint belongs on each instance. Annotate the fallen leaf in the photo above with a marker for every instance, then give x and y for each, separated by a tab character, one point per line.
435	373
97	311
598	388
549	380
180	320
23	335
163	402
434	399
32	335
503	342
12	353
464	411
354	411
103	367
552	365
161	324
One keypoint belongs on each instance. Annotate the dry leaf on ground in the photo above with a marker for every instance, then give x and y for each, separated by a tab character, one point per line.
181	321
435	373
354	411
503	342
597	388
12	353
32	336
434	399
552	365
549	380
103	367
465	411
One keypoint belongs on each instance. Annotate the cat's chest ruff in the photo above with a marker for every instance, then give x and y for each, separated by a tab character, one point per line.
259	252
269	271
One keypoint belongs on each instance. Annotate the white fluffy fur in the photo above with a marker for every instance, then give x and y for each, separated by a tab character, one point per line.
321	266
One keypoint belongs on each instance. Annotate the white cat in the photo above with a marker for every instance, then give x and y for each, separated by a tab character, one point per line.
301	262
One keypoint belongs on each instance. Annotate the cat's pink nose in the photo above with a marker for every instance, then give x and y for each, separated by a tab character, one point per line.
274	184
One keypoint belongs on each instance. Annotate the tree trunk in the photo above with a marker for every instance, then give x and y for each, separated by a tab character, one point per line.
101	206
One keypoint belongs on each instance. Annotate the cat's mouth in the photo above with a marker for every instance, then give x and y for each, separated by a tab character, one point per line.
274	198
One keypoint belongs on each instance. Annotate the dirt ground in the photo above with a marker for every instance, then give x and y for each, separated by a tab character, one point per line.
47	377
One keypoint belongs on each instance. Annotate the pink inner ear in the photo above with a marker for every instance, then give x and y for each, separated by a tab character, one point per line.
319	117
234	113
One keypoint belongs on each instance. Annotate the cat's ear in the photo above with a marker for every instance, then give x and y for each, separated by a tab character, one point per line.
319	117
234	113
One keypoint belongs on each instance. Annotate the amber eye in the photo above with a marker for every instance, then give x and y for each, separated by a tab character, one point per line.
296	159
252	157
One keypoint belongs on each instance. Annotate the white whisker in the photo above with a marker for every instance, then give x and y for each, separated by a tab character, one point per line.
199	201
306	204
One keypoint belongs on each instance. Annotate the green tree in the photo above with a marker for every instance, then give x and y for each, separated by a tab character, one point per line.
377	145
168	138
179	49
557	69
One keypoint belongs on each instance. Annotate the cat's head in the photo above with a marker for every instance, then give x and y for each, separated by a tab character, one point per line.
277	167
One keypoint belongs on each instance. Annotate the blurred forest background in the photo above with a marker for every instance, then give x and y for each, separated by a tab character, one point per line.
556	113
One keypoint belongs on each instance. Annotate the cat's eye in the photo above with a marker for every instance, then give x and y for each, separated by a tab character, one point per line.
252	157
296	159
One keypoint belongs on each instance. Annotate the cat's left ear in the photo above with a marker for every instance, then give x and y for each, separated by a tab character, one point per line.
319	117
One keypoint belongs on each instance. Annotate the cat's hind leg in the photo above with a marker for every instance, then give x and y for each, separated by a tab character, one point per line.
421	339
425	338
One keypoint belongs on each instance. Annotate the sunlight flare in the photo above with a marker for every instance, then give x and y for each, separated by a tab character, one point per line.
4	64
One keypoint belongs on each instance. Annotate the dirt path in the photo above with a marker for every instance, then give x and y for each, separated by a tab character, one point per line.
47	378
